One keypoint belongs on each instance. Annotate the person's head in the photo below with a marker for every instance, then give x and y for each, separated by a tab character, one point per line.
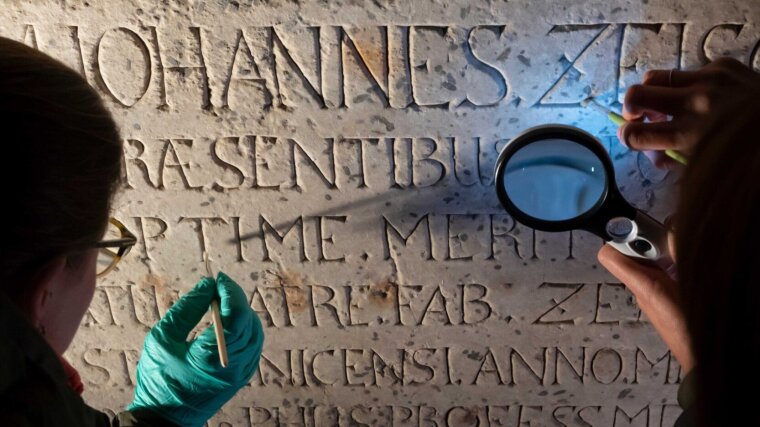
62	163
717	235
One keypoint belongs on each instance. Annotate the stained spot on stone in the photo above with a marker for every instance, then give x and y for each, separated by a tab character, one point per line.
293	286
504	55
524	59
380	119
383	293
361	98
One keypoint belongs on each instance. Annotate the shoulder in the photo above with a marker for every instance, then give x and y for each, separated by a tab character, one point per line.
34	390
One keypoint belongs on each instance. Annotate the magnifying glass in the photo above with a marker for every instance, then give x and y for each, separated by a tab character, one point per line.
560	178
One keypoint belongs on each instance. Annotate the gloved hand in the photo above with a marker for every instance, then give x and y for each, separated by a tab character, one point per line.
184	381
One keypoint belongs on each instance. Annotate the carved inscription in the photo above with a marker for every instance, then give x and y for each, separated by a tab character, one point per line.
397	67
336	160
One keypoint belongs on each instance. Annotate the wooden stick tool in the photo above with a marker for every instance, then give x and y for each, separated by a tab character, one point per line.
221	345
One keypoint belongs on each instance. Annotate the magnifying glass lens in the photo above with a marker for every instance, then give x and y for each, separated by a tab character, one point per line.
558	178
554	179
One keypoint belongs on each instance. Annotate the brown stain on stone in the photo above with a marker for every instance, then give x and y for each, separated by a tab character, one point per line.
383	294
372	50
293	286
164	295
154	280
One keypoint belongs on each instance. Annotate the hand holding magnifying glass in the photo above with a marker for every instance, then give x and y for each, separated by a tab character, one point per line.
560	178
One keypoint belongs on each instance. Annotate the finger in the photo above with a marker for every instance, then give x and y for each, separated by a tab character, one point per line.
642	99
672	245
657	296
187	311
248	329
253	349
671	78
668	222
661	160
670	135
243	350
653	116
645	280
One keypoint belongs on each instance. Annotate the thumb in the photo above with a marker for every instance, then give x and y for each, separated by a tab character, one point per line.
233	307
187	311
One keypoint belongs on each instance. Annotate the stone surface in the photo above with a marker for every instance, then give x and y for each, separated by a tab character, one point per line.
335	158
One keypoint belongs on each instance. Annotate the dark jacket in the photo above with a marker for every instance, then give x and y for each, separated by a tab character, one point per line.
686	399
34	389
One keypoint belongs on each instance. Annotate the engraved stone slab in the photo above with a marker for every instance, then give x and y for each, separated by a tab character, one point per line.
336	159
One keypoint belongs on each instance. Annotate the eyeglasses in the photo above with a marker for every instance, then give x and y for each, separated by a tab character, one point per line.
116	244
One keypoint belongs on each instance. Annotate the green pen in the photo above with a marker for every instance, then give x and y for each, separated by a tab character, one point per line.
619	121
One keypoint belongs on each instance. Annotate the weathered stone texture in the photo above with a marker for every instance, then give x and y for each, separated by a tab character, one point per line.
335	158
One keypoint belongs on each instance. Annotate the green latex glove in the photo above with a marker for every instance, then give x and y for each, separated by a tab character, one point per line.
184	381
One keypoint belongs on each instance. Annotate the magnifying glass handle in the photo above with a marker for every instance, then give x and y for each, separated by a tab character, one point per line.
647	239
